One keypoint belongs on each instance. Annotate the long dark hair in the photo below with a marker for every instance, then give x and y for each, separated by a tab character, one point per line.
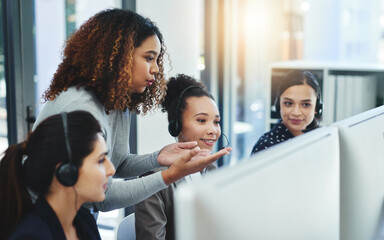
297	77
99	57
30	165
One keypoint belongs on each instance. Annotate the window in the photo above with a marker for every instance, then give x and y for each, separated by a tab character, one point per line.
3	92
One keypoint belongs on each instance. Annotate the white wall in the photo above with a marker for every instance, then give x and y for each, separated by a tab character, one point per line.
179	22
342	30
321	30
87	8
50	36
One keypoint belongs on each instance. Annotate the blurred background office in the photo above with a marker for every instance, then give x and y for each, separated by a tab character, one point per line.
238	48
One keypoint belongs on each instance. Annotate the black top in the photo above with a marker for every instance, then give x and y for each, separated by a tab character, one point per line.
42	223
279	133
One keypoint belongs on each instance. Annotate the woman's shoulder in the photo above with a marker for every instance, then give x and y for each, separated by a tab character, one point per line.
86	224
85	215
72	100
35	226
32	227
269	138
263	142
77	97
281	132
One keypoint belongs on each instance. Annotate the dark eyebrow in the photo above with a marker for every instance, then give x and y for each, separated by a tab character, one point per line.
286	98
205	114
104	154
305	100
152	51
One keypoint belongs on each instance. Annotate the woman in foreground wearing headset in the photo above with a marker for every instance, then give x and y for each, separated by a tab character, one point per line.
64	160
193	116
299	104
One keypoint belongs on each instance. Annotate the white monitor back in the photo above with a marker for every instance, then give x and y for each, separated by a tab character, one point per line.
289	191
362	175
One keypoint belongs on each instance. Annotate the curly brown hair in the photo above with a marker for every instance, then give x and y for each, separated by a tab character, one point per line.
99	57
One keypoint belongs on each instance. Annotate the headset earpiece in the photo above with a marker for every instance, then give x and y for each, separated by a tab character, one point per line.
67	173
174	128
277	106
319	109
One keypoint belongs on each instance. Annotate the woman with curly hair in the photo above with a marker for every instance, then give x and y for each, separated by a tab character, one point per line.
112	66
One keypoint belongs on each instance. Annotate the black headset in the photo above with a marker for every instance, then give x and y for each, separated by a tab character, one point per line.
174	126
67	173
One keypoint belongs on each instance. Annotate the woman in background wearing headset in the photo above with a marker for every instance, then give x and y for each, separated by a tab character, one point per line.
193	116
299	104
64	160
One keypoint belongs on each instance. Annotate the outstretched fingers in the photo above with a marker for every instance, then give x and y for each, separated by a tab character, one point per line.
221	153
170	153
191	161
201	160
187	145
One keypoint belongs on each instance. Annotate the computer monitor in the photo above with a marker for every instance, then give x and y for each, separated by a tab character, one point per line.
289	191
362	175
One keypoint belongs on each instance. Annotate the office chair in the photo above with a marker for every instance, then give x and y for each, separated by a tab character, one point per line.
126	229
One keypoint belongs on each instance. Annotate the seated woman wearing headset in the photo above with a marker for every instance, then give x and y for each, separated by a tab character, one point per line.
193	116
299	103
64	161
